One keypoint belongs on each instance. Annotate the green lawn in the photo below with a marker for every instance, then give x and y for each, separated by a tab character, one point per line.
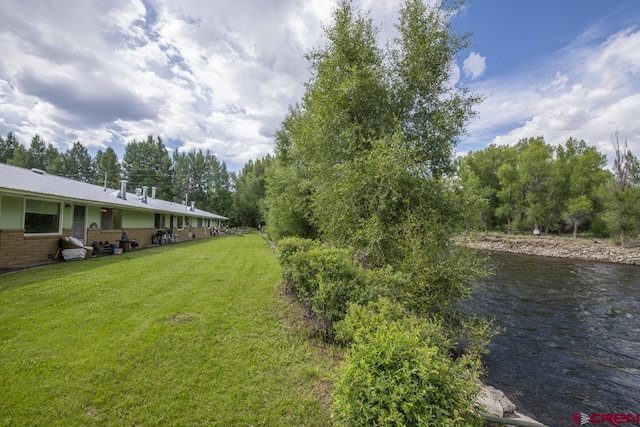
190	334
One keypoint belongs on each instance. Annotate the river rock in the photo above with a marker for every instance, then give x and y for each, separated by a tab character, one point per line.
497	404
582	249
495	401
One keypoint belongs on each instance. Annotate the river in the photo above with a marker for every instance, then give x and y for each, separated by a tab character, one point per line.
571	340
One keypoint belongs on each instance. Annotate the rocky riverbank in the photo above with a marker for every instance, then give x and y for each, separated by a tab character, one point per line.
582	249
497	404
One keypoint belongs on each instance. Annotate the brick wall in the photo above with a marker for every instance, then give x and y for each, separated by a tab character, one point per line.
17	249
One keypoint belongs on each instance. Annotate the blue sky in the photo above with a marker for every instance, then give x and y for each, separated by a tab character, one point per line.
553	68
220	75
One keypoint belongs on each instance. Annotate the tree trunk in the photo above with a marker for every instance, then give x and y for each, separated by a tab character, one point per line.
575	229
548	226
622	236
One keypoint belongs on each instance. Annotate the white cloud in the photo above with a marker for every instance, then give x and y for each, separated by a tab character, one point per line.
474	65
586	93
220	75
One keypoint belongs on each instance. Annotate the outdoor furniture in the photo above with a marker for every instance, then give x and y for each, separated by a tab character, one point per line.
125	245
70	242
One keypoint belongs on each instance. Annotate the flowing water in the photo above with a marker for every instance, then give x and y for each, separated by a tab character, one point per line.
571	340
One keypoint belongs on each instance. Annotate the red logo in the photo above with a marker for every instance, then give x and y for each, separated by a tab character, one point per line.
580	419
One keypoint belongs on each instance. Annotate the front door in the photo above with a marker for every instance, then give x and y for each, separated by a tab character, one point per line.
79	223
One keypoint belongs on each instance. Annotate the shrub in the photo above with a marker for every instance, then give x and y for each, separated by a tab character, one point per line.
288	248
329	282
399	373
323	279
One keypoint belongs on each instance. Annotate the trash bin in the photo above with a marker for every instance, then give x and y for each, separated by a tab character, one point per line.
112	249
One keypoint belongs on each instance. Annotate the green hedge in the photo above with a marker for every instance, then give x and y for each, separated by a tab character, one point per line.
326	279
398	372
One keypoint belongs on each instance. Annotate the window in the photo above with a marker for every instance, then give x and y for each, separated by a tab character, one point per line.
180	222
199	222
159	223
41	217
111	219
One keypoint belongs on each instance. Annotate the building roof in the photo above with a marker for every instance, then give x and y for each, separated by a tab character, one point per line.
33	182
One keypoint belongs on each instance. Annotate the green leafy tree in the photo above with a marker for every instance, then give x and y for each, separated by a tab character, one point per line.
432	113
8	147
33	157
510	193
289	190
108	169
370	168
147	163
192	177
624	200
579	209
76	163
472	195
484	164
535	165
37	153
250	193
362	160
220	198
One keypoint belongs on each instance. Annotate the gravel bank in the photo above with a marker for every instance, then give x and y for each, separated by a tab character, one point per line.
582	249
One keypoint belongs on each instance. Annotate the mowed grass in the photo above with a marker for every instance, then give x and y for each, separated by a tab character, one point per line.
190	334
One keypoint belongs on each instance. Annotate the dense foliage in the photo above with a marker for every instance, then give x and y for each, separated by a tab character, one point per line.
565	188
398	372
361	165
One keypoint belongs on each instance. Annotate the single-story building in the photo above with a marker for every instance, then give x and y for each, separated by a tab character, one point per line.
38	209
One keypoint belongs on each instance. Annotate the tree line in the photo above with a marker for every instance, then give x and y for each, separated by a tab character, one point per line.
551	189
184	176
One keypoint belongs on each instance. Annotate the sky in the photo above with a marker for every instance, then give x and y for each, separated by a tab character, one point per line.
220	75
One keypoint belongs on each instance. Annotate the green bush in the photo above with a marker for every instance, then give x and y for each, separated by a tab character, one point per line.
288	248
398	372
335	286
323	279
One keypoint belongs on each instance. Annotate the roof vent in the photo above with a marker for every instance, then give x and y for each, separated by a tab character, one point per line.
122	194
38	171
144	194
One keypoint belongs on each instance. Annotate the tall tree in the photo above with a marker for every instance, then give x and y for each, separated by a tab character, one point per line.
432	113
289	188
39	155
8	147
108	169
510	193
484	164
535	166
624	200
250	190
220	197
76	163
147	163
367	147
473	197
